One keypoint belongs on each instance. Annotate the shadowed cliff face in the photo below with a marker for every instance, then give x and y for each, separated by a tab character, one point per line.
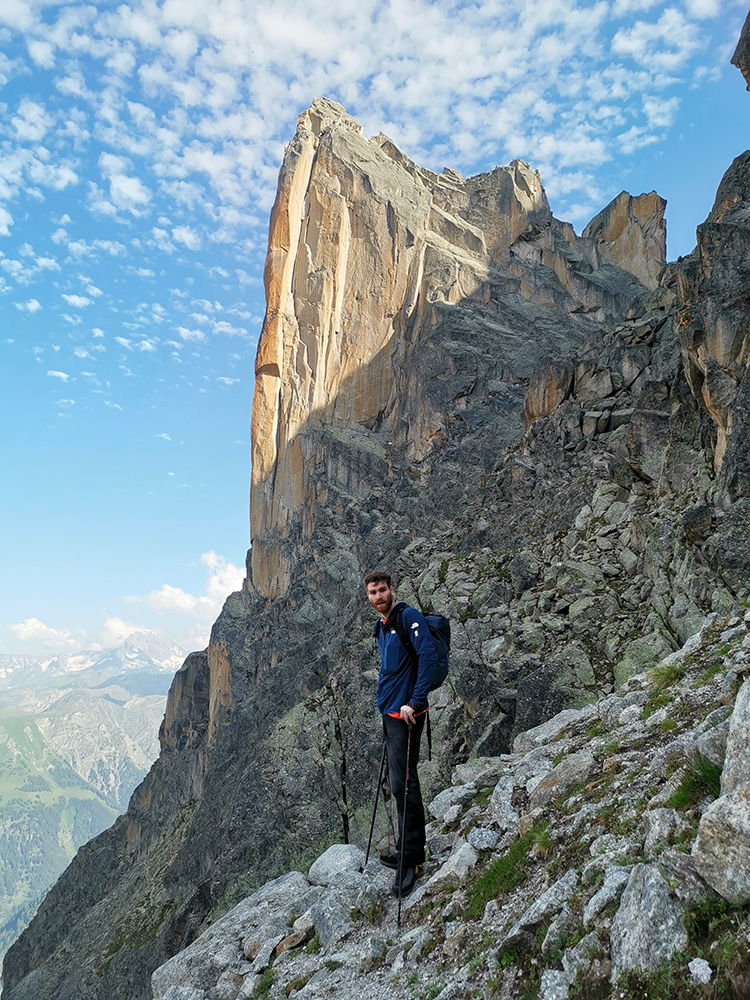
451	382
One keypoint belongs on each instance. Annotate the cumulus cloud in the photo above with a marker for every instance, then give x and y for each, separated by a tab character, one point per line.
32	630
63	376
6	221
77	301
187	237
223	579
115	631
127	192
188	334
32	306
32	122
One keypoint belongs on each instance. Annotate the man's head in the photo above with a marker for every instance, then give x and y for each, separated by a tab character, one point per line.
380	591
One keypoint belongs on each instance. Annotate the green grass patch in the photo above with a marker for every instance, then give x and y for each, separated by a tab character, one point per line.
297	984
709	672
664	675
264	986
313	947
667	725
659	699
504	873
702	779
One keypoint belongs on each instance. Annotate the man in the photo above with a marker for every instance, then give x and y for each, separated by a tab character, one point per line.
403	689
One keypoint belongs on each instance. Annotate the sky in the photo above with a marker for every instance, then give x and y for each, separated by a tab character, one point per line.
141	144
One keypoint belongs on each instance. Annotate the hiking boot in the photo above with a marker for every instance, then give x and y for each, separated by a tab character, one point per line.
389	860
408	881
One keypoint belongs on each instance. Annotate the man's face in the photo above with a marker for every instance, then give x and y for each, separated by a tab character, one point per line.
381	597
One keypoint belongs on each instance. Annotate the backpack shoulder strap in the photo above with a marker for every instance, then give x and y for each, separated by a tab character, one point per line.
404	637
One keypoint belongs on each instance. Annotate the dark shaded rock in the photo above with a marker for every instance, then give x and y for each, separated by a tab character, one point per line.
734	543
524	571
696	523
741	57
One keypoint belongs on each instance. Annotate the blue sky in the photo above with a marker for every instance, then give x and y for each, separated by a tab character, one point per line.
140	148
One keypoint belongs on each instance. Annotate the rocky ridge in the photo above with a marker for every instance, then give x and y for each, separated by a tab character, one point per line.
545	446
605	850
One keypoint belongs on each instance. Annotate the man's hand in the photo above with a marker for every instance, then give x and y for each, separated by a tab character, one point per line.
407	714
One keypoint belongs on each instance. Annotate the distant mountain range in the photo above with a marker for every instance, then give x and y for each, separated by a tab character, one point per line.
78	732
144	663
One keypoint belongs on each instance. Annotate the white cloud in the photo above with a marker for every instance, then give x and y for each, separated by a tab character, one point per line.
77	301
34	631
227	381
6	221
63	376
704	8
42	52
165	437
186	236
187	334
115	631
667	44
223	579
32	306
636	138
32	121
127	192
228	329
659	111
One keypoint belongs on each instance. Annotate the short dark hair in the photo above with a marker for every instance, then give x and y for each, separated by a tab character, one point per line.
377	575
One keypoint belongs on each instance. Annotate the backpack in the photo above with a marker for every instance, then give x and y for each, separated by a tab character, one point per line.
440	630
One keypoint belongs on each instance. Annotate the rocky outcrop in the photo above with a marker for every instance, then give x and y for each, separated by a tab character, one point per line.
587	897
741	57
369	257
632	234
711	285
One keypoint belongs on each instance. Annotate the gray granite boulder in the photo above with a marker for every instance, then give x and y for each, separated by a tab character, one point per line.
547	731
648	928
445	803
615	880
735	771
334	862
573	770
578	958
722	849
456	868
501	808
549	903
553	985
219	948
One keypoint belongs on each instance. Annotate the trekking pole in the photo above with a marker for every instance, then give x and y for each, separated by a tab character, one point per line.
403	824
375	806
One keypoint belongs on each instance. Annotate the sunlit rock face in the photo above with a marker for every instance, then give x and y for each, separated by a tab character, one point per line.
631	233
365	248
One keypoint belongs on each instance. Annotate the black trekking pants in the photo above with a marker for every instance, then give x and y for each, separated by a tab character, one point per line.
396	733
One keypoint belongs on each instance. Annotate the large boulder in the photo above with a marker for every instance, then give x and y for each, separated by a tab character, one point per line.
648	928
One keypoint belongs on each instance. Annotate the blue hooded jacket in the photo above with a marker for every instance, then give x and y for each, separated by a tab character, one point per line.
396	683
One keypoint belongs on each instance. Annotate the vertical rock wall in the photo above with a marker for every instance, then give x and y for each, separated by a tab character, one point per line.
364	247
